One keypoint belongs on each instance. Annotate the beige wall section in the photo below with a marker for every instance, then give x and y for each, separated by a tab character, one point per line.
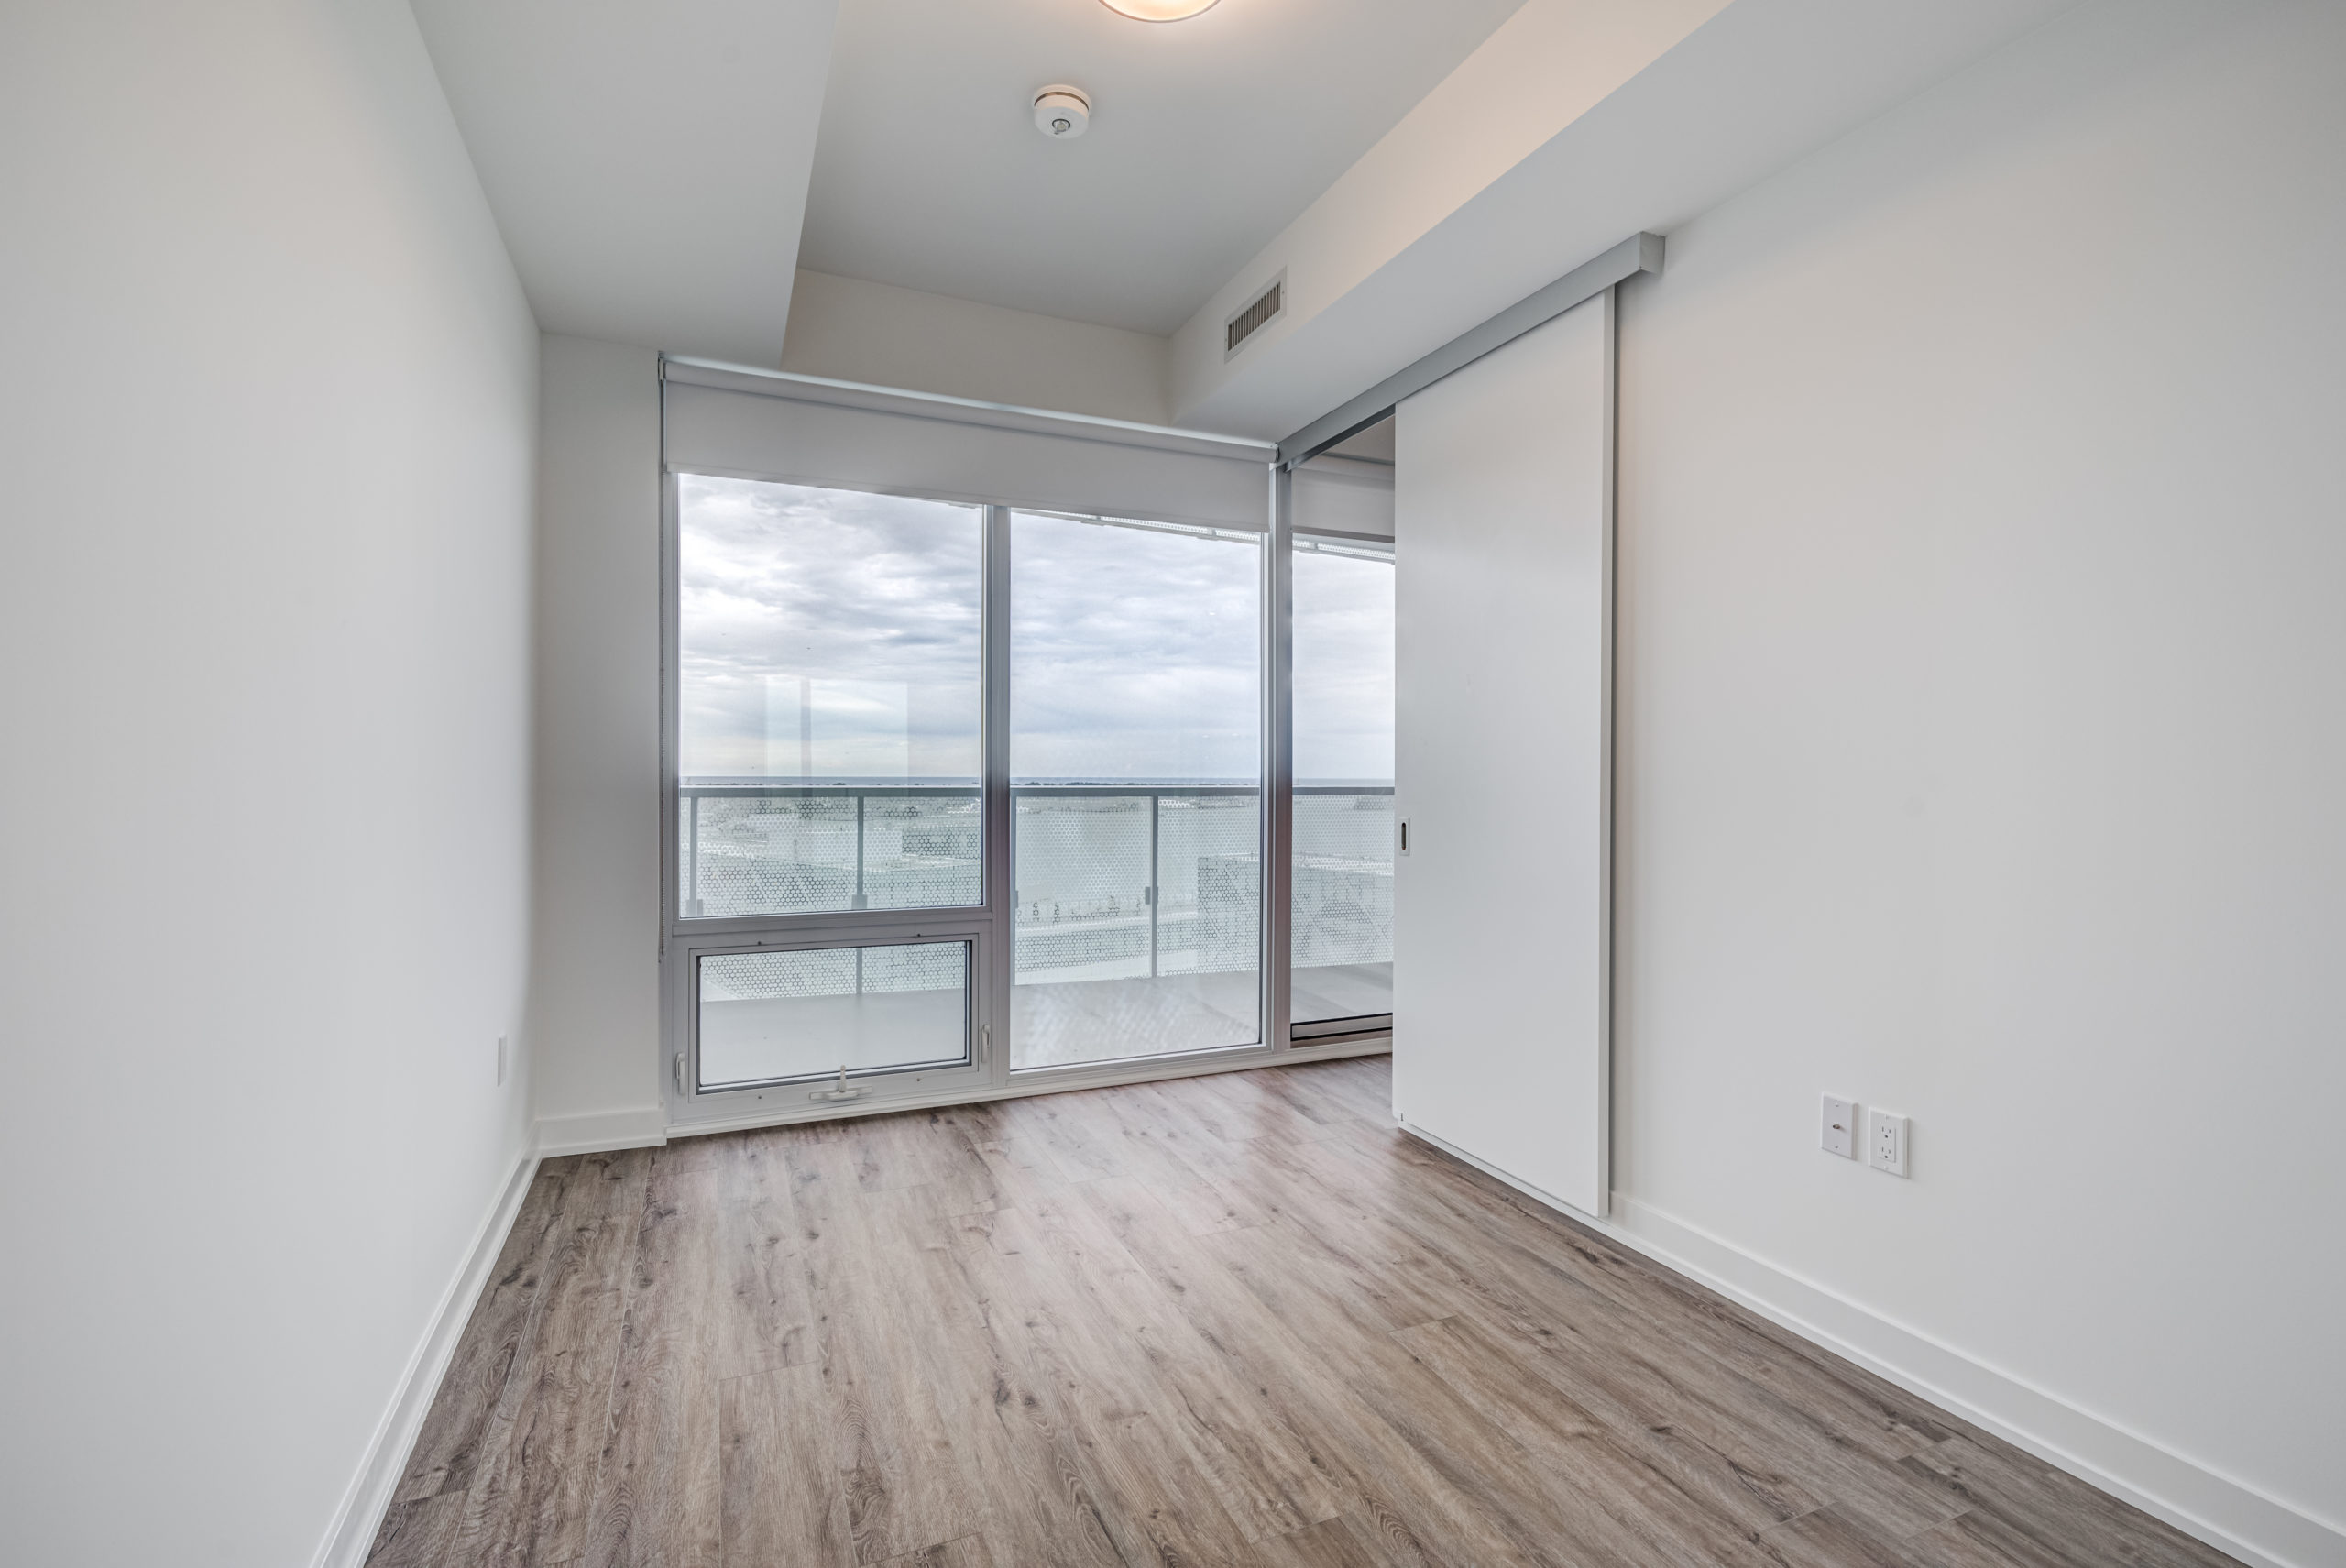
852	330
596	974
264	685
1981	662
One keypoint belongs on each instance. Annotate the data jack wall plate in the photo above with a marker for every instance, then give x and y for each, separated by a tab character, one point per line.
1837	1127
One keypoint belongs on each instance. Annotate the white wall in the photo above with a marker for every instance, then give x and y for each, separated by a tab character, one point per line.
596	980
1982	667
854	330
264	650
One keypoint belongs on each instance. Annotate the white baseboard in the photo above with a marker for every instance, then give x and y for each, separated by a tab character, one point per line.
352	1533
2222	1510
2225	1512
597	1132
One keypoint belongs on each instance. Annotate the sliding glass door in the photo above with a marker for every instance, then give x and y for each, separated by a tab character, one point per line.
1136	764
1344	833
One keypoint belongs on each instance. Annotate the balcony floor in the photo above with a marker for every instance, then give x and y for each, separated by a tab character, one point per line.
1327	992
1053	1024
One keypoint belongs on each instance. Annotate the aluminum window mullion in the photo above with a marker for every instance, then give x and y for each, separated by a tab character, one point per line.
1001	862
677	1037
1279	764
671	872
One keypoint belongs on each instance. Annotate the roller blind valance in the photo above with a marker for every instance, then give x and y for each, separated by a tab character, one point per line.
768	425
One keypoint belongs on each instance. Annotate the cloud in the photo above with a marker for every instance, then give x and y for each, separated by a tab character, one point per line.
1135	653
845	630
861	612
1344	667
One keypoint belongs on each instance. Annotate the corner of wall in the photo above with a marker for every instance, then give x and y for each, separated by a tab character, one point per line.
594	1132
358	1520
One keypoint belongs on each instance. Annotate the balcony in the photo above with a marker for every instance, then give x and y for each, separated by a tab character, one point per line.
1136	907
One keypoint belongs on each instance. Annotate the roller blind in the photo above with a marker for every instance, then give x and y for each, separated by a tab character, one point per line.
768	425
1345	494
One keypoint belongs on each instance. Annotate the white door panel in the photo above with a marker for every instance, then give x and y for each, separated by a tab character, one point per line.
1503	508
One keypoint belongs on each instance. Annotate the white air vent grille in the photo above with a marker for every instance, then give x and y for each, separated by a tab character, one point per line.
1251	319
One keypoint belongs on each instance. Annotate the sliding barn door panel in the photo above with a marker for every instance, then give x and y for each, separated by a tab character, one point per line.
1503	530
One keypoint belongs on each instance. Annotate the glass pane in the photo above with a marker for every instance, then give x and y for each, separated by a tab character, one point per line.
807	1015
1343	781
830	683
1135	760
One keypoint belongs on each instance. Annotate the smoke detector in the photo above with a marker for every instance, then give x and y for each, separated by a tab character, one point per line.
1062	113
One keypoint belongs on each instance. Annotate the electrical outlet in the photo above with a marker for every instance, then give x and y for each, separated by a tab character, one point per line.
500	1061
1840	1127
1887	1136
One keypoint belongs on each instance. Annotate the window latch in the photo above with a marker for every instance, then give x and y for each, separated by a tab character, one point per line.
845	1091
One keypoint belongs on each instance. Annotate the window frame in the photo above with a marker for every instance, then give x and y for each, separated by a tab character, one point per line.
877	1084
1365	1025
987	925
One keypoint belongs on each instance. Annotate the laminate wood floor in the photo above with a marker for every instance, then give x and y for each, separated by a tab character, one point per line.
1232	1320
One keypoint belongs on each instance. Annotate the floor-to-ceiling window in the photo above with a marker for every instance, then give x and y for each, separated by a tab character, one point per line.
970	719
831	698
1136	763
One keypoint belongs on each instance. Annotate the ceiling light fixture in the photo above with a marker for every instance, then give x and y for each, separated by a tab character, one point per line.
1158	10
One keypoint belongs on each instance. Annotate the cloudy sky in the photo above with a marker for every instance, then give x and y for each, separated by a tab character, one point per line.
1343	665
838	633
837	628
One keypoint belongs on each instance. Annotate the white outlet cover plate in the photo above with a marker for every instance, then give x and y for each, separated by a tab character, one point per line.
1837	1127
1888	1135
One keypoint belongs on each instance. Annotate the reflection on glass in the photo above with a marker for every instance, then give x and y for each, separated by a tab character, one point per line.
830	687
1136	777
764	1017
1343	781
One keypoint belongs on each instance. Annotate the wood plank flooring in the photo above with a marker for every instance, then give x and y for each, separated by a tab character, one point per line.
1236	1320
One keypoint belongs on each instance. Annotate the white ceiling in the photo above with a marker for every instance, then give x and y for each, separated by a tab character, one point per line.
647	159
1207	136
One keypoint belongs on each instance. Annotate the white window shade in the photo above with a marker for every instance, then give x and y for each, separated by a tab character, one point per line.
1345	494
767	425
